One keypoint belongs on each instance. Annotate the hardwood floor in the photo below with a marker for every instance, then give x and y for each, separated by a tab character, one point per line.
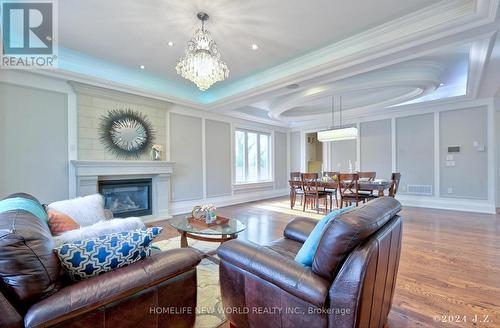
450	262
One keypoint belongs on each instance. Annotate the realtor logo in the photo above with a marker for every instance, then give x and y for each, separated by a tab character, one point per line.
29	38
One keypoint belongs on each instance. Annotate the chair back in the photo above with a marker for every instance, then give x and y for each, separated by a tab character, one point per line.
310	184
348	184
377	256
295	176
367	175
396	178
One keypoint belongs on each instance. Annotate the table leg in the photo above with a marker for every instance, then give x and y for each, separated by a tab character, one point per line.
381	193
184	242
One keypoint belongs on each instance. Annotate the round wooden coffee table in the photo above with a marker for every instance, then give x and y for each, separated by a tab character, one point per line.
222	230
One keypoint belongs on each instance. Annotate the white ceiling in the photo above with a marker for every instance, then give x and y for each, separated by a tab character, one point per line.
379	55
134	33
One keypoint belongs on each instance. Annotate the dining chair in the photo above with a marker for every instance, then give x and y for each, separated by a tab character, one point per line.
295	188
396	178
369	177
334	176
349	189
313	192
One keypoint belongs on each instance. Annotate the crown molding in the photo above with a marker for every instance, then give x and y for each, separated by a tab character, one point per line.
479	55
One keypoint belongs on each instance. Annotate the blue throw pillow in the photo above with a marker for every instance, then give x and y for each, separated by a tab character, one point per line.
87	258
305	255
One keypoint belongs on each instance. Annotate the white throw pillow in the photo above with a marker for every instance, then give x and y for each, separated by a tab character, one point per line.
99	229
84	210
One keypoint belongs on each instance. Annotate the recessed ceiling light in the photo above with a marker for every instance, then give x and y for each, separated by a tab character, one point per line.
170	43
255	46
293	86
143	67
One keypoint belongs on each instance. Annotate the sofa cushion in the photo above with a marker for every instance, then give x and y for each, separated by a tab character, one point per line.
84	210
29	269
305	255
349	230
91	257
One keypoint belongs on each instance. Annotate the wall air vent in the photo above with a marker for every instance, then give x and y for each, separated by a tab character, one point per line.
424	190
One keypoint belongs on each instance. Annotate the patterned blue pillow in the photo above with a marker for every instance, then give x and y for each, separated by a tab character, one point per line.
91	257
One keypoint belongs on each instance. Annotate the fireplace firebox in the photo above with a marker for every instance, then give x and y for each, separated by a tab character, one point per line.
127	198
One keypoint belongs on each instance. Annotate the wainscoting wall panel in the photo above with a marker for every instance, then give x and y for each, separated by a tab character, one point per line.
186	152
33	142
464	174
415	145
376	147
341	153
218	158
280	160
295	156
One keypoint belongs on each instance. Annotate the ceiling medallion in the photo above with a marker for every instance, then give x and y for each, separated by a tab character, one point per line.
202	63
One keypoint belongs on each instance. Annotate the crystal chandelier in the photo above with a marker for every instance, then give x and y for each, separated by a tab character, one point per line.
202	63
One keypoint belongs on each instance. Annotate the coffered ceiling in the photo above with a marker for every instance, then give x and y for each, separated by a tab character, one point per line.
376	54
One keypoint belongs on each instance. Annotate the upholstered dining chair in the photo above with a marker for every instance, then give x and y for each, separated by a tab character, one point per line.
396	178
313	192
349	189
334	176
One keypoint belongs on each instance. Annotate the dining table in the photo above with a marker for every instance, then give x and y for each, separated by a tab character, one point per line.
377	186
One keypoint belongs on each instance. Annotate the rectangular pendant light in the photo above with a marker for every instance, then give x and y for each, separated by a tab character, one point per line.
338	134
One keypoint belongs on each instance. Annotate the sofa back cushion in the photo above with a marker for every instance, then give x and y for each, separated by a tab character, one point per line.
86	211
349	230
29	269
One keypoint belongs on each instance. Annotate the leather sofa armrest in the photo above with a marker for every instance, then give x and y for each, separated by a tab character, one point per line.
283	272
299	228
9	317
110	287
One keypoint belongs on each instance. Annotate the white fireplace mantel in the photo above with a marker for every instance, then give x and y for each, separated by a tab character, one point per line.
88	173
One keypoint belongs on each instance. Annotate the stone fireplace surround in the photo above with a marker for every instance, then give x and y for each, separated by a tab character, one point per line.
88	173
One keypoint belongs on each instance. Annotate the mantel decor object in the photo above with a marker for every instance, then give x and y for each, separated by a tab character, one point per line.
126	133
156	152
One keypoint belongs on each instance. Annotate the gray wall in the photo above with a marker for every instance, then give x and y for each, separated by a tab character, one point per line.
415	150
33	143
218	154
375	147
295	145
469	177
186	152
342	152
280	160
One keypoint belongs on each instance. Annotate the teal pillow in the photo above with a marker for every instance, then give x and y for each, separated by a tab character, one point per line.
23	204
305	255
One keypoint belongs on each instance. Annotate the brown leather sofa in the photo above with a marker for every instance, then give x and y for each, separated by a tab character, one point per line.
159	291
350	284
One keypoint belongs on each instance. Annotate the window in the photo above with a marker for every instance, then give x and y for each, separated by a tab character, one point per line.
252	156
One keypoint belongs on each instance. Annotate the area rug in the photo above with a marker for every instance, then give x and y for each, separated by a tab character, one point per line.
209	309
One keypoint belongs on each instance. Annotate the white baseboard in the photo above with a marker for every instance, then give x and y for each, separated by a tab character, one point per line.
186	206
464	205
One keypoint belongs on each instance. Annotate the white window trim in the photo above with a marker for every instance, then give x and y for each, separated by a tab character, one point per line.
252	184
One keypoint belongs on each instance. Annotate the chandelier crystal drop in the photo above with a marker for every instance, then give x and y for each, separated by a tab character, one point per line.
202	63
